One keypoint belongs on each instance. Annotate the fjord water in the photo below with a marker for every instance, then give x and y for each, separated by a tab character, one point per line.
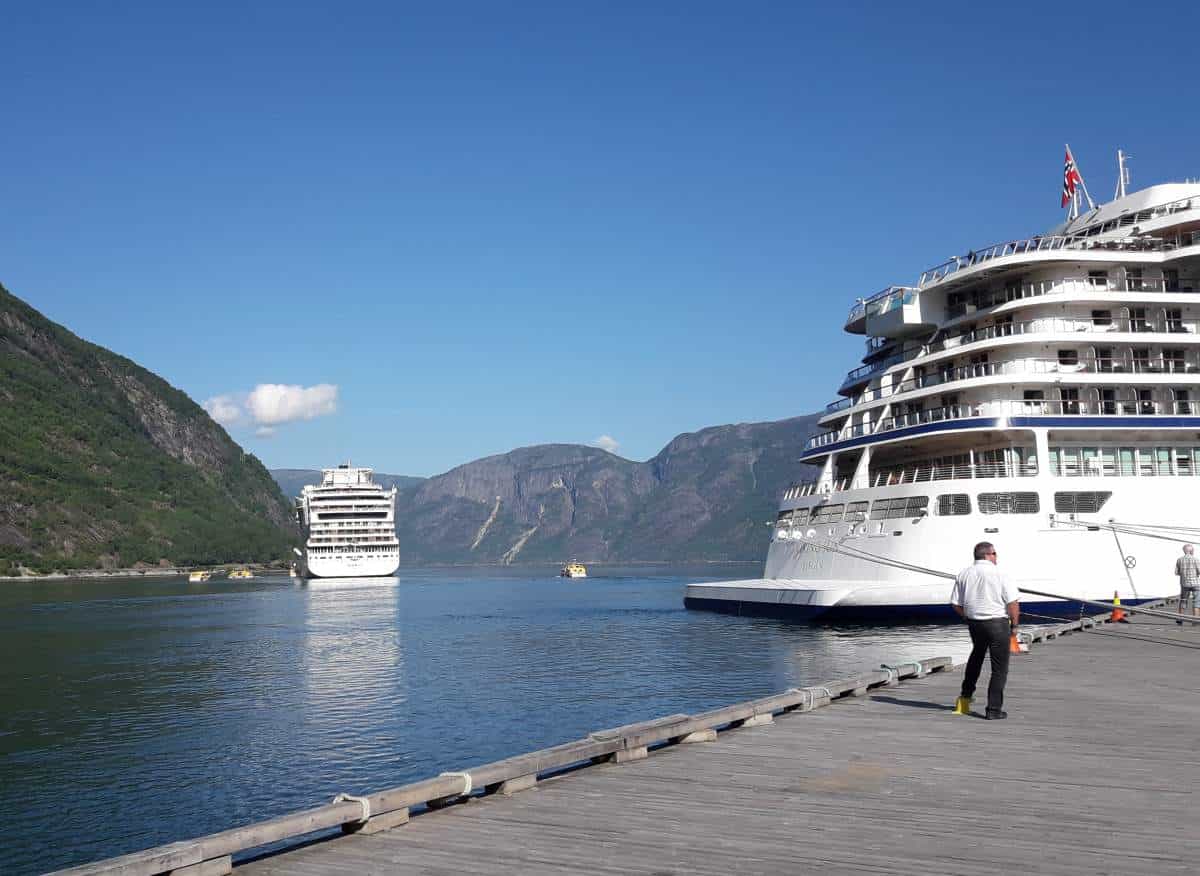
141	711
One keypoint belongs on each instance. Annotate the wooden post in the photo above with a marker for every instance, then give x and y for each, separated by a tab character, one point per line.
759	720
520	783
627	754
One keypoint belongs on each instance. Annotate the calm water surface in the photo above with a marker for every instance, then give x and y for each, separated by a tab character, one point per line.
137	712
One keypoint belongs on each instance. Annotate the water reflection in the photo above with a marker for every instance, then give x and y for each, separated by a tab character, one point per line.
351	665
172	710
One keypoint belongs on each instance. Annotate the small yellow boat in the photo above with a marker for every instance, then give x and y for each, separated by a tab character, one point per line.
573	570
199	576
241	573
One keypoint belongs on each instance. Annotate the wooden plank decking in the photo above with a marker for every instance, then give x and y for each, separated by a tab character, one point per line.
1094	772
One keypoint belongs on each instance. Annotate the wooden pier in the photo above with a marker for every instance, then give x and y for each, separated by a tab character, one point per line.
1093	772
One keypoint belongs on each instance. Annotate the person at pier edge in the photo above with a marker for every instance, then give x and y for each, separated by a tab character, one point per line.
988	599
1187	568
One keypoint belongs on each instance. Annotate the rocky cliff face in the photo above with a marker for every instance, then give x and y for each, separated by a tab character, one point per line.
705	496
104	463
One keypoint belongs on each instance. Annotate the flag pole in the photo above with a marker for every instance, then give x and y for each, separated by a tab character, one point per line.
1082	184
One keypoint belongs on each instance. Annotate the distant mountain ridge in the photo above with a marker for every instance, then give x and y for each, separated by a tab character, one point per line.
103	463
705	496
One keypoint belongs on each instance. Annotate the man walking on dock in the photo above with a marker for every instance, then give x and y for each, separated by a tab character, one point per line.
1187	568
988	599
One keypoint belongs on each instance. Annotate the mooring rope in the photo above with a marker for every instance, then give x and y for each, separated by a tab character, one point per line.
361	801
466	777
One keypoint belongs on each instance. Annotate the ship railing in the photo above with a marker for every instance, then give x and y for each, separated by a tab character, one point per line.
810	488
1067	285
840	405
1087	240
1159	322
1109	466
1131	363
928	471
1122	406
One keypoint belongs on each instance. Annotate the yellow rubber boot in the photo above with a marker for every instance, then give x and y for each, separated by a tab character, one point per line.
962	706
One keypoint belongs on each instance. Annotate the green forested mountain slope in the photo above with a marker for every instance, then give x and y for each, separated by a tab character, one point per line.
103	463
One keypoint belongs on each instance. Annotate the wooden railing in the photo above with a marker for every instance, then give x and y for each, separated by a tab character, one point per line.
212	855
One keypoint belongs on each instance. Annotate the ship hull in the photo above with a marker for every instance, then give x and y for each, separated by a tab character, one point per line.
352	566
810	572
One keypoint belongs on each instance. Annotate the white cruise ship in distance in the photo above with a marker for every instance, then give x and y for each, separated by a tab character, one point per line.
1042	394
349	525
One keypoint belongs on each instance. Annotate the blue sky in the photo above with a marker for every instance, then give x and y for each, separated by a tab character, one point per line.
455	229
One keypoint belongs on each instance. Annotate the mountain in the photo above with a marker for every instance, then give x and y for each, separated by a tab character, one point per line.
103	463
705	496
292	480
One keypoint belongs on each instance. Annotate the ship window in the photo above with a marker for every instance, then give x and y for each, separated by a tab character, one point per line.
1080	503
1008	503
1162	457
904	506
857	511
1068	357
953	504
784	517
352	515
1128	461
1101	318
828	514
1183	461
800	516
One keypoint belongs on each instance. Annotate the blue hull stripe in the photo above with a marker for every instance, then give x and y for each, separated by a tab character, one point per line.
1100	422
878	614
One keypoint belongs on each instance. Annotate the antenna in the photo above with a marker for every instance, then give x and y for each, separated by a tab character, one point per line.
1122	173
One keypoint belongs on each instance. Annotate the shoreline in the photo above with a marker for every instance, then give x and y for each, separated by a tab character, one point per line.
182	572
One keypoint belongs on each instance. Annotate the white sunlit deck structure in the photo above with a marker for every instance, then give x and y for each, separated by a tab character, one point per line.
349	522
1028	393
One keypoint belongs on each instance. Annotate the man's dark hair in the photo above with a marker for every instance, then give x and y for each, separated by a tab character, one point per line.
983	549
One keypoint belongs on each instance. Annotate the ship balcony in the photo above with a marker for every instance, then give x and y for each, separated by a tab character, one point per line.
1116	361
1128	401
894	312
1059	245
897	313
981	301
856	320
918	472
1149	327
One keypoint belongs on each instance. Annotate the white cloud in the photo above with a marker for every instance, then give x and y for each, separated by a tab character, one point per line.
606	442
272	403
224	409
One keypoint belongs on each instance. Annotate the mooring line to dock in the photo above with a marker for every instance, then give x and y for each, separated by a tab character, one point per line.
1152	612
856	553
212	855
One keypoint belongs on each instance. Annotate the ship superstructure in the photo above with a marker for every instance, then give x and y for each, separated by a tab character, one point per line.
1042	394
349	525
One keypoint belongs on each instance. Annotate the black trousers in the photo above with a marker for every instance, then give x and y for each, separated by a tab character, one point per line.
988	637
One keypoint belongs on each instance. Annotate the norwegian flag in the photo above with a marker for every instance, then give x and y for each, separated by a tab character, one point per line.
1071	177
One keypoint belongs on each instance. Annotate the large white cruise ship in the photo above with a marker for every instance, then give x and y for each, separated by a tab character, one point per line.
349	525
1041	394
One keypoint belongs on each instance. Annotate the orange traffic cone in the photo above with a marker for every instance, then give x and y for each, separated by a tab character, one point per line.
1118	613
